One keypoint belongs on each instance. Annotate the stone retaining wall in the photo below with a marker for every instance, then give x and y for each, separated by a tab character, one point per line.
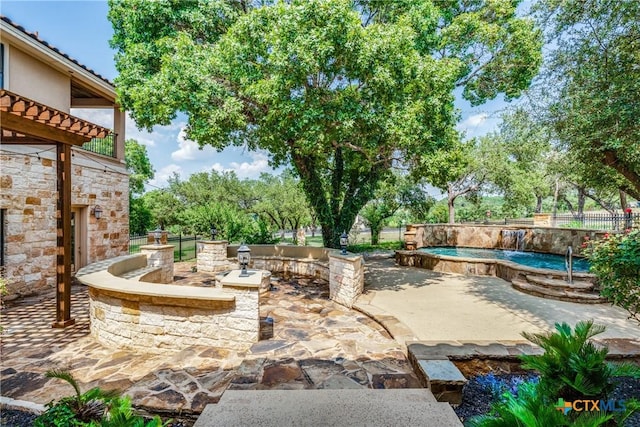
158	317
345	273
160	323
535	239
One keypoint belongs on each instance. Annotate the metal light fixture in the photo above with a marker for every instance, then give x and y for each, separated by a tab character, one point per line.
244	256
214	232
97	212
157	234
344	240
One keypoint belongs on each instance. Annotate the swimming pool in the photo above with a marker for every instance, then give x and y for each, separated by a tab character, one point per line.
530	259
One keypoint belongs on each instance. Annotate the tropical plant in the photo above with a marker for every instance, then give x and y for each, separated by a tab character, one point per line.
572	366
615	260
95	407
531	408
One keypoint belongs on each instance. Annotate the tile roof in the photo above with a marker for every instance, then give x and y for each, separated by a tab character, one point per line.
35	37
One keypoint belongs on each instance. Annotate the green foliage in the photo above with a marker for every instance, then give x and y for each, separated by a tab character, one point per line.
339	89
439	214
615	260
140	218
529	408
365	247
93	408
138	165
594	81
572	366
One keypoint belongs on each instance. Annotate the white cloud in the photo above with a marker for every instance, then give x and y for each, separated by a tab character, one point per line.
475	120
189	150
161	177
249	169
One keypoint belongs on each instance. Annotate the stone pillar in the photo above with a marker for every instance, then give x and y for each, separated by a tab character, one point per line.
152	240
244	322
541	220
301	237
160	256
346	278
410	243
212	255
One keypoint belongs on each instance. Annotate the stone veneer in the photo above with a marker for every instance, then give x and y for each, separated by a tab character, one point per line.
160	256
536	239
346	281
157	317
160	323
29	195
345	273
212	255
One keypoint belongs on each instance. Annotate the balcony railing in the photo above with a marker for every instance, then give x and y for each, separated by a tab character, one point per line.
105	146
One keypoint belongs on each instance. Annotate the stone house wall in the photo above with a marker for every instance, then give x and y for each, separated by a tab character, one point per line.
28	186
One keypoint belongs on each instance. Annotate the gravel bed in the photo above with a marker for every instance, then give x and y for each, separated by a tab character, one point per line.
476	397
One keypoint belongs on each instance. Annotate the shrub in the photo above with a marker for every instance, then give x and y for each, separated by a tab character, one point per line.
95	407
572	366
615	260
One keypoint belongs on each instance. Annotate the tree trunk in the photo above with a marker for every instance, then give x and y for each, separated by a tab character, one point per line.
623	200
451	199
582	198
538	204
375	233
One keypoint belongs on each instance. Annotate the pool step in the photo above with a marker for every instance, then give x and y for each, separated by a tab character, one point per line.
558	293
559	284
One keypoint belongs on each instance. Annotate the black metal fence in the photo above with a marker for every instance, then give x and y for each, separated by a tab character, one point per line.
597	221
185	246
105	146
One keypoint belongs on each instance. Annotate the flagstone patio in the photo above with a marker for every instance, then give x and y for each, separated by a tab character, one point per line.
316	344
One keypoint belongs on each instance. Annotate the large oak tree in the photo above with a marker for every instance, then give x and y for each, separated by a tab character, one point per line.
339	89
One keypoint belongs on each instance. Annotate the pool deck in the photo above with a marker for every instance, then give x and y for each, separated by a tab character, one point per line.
430	306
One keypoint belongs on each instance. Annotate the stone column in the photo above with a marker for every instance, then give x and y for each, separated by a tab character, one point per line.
151	239
243	324
212	255
346	278
160	256
410	243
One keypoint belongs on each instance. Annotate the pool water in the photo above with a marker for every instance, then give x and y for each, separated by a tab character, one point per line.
530	259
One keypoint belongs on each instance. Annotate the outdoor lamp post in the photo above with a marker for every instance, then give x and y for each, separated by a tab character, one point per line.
157	234
244	256
344	240
214	232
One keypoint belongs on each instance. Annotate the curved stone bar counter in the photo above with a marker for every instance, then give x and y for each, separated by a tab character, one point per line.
129	313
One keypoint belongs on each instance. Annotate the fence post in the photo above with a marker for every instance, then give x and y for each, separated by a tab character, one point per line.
180	246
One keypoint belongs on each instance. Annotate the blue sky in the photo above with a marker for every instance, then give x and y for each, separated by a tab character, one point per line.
81	30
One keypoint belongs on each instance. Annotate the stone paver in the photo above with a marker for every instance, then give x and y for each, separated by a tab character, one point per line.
316	344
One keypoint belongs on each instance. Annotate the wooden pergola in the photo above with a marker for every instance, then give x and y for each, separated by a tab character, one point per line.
24	121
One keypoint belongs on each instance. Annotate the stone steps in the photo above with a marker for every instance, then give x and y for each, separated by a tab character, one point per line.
557	293
559	284
328	407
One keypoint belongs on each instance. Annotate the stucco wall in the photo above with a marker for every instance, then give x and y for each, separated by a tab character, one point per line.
28	187
38	81
536	239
